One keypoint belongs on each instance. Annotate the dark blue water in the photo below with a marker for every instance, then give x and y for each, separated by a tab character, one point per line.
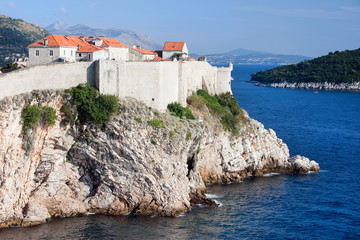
323	126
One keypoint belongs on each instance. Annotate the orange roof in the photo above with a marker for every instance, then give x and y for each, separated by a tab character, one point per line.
144	51
110	42
61	40
174	46
89	49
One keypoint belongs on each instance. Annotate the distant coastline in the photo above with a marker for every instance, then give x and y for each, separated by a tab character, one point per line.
313	85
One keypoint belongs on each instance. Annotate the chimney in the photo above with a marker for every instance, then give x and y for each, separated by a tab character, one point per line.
101	36
45	42
67	37
82	38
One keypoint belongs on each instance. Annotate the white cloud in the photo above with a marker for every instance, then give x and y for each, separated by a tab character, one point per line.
11	4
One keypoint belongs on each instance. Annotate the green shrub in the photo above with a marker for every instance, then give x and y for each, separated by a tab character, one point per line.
153	142
93	108
180	111
189	114
171	133
156	123
49	115
30	116
176	108
66	110
138	120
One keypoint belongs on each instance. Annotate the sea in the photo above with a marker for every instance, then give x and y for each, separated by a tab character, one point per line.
321	125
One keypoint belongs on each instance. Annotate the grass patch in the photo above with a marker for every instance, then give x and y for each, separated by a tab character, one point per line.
188	136
156	123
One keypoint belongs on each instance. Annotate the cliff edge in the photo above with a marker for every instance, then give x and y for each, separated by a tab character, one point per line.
143	161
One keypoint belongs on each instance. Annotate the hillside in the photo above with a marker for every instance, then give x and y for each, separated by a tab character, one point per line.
125	36
336	68
15	36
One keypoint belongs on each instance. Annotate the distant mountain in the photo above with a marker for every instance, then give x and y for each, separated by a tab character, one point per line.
242	52
337	67
15	36
128	37
244	56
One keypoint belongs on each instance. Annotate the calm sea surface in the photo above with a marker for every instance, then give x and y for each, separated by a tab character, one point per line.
323	126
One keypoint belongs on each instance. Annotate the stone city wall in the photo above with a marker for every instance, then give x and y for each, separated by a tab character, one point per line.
50	76
155	83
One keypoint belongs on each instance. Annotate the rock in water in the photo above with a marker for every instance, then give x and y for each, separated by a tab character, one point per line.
129	166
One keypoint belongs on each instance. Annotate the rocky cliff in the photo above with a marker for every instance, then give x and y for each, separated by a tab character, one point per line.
130	165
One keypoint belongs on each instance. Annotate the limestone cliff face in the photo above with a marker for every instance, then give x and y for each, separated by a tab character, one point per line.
129	166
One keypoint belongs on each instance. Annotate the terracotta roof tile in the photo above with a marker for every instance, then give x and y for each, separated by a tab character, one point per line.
144	51
174	46
61	40
89	49
110	42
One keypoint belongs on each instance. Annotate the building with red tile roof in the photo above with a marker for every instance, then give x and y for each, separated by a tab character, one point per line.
59	48
64	48
172	49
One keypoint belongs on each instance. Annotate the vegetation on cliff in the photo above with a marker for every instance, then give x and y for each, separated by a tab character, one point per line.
15	36
91	106
223	106
337	67
180	111
31	115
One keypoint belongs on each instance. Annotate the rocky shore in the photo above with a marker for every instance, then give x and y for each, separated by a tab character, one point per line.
128	166
315	86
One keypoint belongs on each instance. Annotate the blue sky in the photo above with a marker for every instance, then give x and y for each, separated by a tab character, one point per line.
306	27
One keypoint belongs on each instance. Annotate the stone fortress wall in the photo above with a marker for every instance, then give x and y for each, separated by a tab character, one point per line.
155	83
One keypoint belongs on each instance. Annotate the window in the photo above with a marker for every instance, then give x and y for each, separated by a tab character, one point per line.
89	56
64	53
71	52
51	53
37	53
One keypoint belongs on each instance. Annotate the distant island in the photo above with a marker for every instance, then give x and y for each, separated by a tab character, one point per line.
338	70
242	56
